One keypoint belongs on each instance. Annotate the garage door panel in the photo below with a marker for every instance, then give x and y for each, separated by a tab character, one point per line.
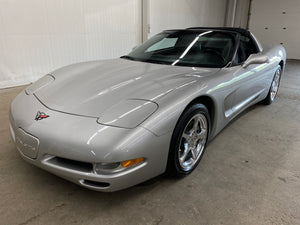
277	22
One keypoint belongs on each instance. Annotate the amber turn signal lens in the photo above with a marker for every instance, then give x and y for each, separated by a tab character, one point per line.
132	162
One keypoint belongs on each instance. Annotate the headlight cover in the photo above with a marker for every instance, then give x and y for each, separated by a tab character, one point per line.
42	82
128	114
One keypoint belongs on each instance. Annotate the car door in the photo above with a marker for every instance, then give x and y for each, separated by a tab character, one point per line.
249	82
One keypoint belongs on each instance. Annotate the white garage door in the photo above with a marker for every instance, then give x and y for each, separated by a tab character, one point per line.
38	36
277	22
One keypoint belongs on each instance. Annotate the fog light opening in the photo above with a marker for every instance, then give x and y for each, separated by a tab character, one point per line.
132	162
107	166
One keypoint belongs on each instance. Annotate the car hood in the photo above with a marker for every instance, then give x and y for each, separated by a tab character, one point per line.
90	88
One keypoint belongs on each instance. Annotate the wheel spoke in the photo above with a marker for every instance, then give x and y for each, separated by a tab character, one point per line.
273	85
185	153
202	124
194	153
195	126
187	137
202	134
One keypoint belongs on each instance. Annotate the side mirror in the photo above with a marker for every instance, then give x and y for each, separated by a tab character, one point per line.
256	59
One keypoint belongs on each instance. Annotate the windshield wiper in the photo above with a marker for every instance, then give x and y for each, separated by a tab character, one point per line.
127	57
157	61
144	60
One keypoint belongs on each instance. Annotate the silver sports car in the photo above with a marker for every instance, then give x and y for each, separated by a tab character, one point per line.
111	124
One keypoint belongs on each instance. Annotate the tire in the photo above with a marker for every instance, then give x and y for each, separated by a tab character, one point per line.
188	141
274	87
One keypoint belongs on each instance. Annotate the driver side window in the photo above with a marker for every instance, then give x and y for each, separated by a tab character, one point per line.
247	47
240	56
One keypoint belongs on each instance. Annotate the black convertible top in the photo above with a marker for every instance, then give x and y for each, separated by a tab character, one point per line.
230	29
234	29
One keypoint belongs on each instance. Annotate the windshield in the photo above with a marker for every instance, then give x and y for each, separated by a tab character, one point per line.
182	48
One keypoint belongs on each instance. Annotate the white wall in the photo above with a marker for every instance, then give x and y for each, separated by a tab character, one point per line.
237	13
241	13
171	14
278	22
38	36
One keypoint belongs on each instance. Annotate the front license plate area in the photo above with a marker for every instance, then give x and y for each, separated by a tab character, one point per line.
26	143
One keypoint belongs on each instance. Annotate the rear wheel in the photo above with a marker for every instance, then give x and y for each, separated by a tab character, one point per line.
274	87
188	141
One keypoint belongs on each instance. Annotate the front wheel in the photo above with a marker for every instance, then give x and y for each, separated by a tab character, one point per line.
188	141
274	87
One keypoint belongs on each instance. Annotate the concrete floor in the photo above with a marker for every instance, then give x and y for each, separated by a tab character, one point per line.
250	174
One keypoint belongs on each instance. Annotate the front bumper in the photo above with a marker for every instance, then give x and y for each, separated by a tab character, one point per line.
70	146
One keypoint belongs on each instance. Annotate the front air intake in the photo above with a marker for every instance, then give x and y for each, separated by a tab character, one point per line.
71	164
